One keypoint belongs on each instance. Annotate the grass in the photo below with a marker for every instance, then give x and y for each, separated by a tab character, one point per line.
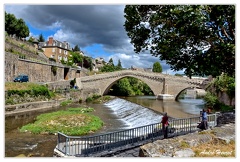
65	103
74	121
20	86
215	148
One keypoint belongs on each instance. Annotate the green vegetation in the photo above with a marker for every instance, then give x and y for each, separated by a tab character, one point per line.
92	98
130	86
110	67
16	26
76	59
74	121
199	39
157	68
76	48
65	103
41	38
184	144
25	90
97	99
215	148
222	84
54	70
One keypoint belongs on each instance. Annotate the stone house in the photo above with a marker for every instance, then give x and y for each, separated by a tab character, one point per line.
55	49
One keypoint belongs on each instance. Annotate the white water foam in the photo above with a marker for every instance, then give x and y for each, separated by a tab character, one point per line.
132	114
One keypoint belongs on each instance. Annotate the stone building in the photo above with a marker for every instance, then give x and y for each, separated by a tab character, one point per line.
55	49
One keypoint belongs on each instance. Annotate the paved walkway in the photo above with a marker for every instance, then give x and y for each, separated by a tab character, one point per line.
133	152
125	151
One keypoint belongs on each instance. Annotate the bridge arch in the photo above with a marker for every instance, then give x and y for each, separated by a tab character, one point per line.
196	89
108	87
159	83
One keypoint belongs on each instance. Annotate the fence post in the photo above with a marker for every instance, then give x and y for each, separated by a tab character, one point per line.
190	124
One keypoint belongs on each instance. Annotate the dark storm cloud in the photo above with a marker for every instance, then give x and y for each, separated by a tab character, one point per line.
102	24
86	25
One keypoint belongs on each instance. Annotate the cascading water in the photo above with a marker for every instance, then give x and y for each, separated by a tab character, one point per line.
132	114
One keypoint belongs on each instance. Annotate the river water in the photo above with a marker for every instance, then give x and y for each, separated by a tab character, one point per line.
117	114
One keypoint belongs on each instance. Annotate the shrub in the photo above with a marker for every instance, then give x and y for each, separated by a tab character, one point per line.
65	103
211	99
54	70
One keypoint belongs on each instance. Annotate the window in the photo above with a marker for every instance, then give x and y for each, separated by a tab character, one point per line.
53	49
60	50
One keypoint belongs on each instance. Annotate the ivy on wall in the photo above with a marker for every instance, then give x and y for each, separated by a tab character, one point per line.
54	70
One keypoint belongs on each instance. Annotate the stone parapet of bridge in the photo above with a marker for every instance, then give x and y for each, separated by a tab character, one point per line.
158	82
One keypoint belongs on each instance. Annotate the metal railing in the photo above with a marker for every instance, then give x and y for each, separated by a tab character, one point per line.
85	145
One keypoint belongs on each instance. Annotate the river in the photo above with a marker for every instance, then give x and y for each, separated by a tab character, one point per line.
119	113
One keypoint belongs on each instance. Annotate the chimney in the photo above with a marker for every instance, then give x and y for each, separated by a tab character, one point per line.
50	41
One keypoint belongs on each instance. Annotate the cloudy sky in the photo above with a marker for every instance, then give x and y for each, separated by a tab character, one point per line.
97	29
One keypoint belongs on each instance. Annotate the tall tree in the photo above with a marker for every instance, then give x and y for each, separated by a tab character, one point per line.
157	67
21	29
10	23
76	48
119	65
41	38
16	26
199	39
111	62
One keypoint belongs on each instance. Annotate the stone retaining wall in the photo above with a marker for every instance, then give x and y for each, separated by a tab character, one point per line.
31	106
36	70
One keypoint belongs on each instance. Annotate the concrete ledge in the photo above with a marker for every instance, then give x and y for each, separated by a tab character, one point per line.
165	97
31	106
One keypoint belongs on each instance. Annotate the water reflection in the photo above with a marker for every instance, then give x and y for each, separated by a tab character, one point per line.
177	109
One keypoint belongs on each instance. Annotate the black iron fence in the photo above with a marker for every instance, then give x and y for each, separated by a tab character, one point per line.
84	145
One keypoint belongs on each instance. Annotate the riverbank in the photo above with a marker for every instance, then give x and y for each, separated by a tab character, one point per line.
31	106
45	105
215	142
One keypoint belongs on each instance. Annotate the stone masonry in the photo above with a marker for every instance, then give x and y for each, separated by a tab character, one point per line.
36	70
158	82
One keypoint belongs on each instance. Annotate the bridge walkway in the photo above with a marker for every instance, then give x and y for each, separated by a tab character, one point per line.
116	143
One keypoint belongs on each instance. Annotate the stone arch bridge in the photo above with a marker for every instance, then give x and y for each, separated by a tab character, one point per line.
159	83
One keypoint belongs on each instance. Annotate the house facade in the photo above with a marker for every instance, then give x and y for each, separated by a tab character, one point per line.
55	49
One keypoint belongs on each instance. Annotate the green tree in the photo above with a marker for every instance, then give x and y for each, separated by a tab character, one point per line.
107	68
15	26
75	58
21	29
111	62
87	63
76	48
123	88
41	38
31	39
199	39
119	65
180	75
157	67
10	23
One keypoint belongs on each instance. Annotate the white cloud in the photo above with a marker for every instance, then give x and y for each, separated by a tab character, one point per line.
55	25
